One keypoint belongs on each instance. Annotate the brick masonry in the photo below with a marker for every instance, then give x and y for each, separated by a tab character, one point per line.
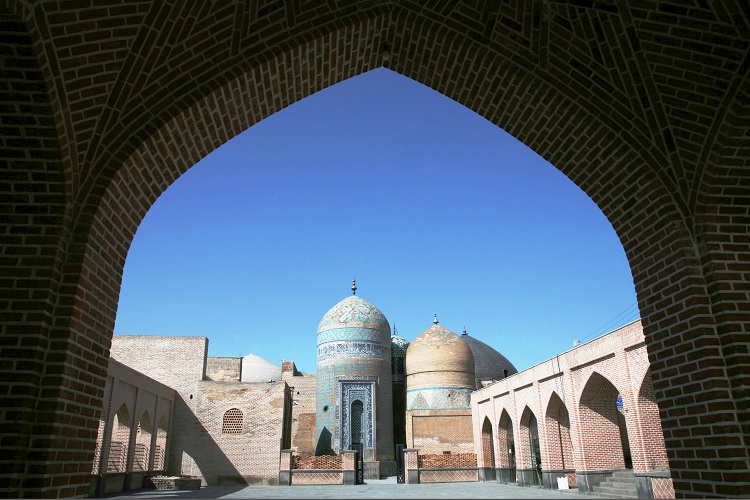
202	444
573	398
133	431
643	105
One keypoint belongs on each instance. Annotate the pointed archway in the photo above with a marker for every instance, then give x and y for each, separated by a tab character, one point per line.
664	170
559	446
602	430
506	449
529	471
487	468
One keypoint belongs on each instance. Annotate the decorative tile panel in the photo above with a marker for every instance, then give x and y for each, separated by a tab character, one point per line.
438	398
351	349
351	333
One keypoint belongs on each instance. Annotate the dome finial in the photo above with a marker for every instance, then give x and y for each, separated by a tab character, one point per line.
354	286
435	321
395	332
464	331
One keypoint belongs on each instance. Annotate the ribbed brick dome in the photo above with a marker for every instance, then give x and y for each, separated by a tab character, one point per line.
438	349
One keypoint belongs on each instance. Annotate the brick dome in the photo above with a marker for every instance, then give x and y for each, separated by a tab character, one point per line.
439	357
489	365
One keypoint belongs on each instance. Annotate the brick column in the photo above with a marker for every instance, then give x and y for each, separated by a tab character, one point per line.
285	468
349	466
411	465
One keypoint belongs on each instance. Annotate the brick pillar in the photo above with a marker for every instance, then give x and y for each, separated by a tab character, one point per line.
285	468
411	466
349	466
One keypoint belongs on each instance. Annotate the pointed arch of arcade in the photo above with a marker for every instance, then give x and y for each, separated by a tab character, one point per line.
600	425
528	448
142	451
653	455
117	460
160	446
506	449
87	166
559	446
488	445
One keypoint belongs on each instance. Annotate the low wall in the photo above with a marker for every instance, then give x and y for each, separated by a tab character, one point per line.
440	468
297	469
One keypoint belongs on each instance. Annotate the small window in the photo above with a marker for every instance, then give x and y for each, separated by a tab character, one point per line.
232	422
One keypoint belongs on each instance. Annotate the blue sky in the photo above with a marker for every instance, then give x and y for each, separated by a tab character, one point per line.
431	207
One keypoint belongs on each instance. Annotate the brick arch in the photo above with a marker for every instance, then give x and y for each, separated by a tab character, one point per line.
33	190
553	90
160	448
488	444
142	451
506	448
653	456
169	152
599	427
527	424
559	448
117	455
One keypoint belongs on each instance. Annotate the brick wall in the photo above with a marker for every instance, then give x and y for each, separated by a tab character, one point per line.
302	387
133	430
153	355
436	431
644	106
433	460
223	369
573	398
252	454
316	462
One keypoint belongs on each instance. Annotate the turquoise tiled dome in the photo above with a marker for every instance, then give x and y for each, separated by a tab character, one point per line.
354	319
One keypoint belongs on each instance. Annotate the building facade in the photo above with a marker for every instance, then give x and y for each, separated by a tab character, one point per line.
582	416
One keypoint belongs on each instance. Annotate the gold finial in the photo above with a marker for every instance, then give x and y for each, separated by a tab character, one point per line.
354	286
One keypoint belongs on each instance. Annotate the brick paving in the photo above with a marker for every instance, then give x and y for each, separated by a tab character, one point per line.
384	488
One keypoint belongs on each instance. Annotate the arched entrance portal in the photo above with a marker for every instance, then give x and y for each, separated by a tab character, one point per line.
99	146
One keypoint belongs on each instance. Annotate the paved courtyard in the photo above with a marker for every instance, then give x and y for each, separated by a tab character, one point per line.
384	488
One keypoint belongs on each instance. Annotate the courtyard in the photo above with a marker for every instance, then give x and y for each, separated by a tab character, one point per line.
384	488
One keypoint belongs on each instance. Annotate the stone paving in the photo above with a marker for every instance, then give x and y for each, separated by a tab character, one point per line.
384	488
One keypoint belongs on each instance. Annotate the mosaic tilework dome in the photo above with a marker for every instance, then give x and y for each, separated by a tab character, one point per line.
438	349
354	319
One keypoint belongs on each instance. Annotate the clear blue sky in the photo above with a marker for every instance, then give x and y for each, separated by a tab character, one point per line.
431	207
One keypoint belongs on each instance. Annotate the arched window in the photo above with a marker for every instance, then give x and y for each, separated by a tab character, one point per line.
232	423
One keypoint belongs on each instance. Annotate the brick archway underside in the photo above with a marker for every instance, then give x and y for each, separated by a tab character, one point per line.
645	108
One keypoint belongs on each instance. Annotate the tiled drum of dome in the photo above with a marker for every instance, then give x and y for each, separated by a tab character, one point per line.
438	398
